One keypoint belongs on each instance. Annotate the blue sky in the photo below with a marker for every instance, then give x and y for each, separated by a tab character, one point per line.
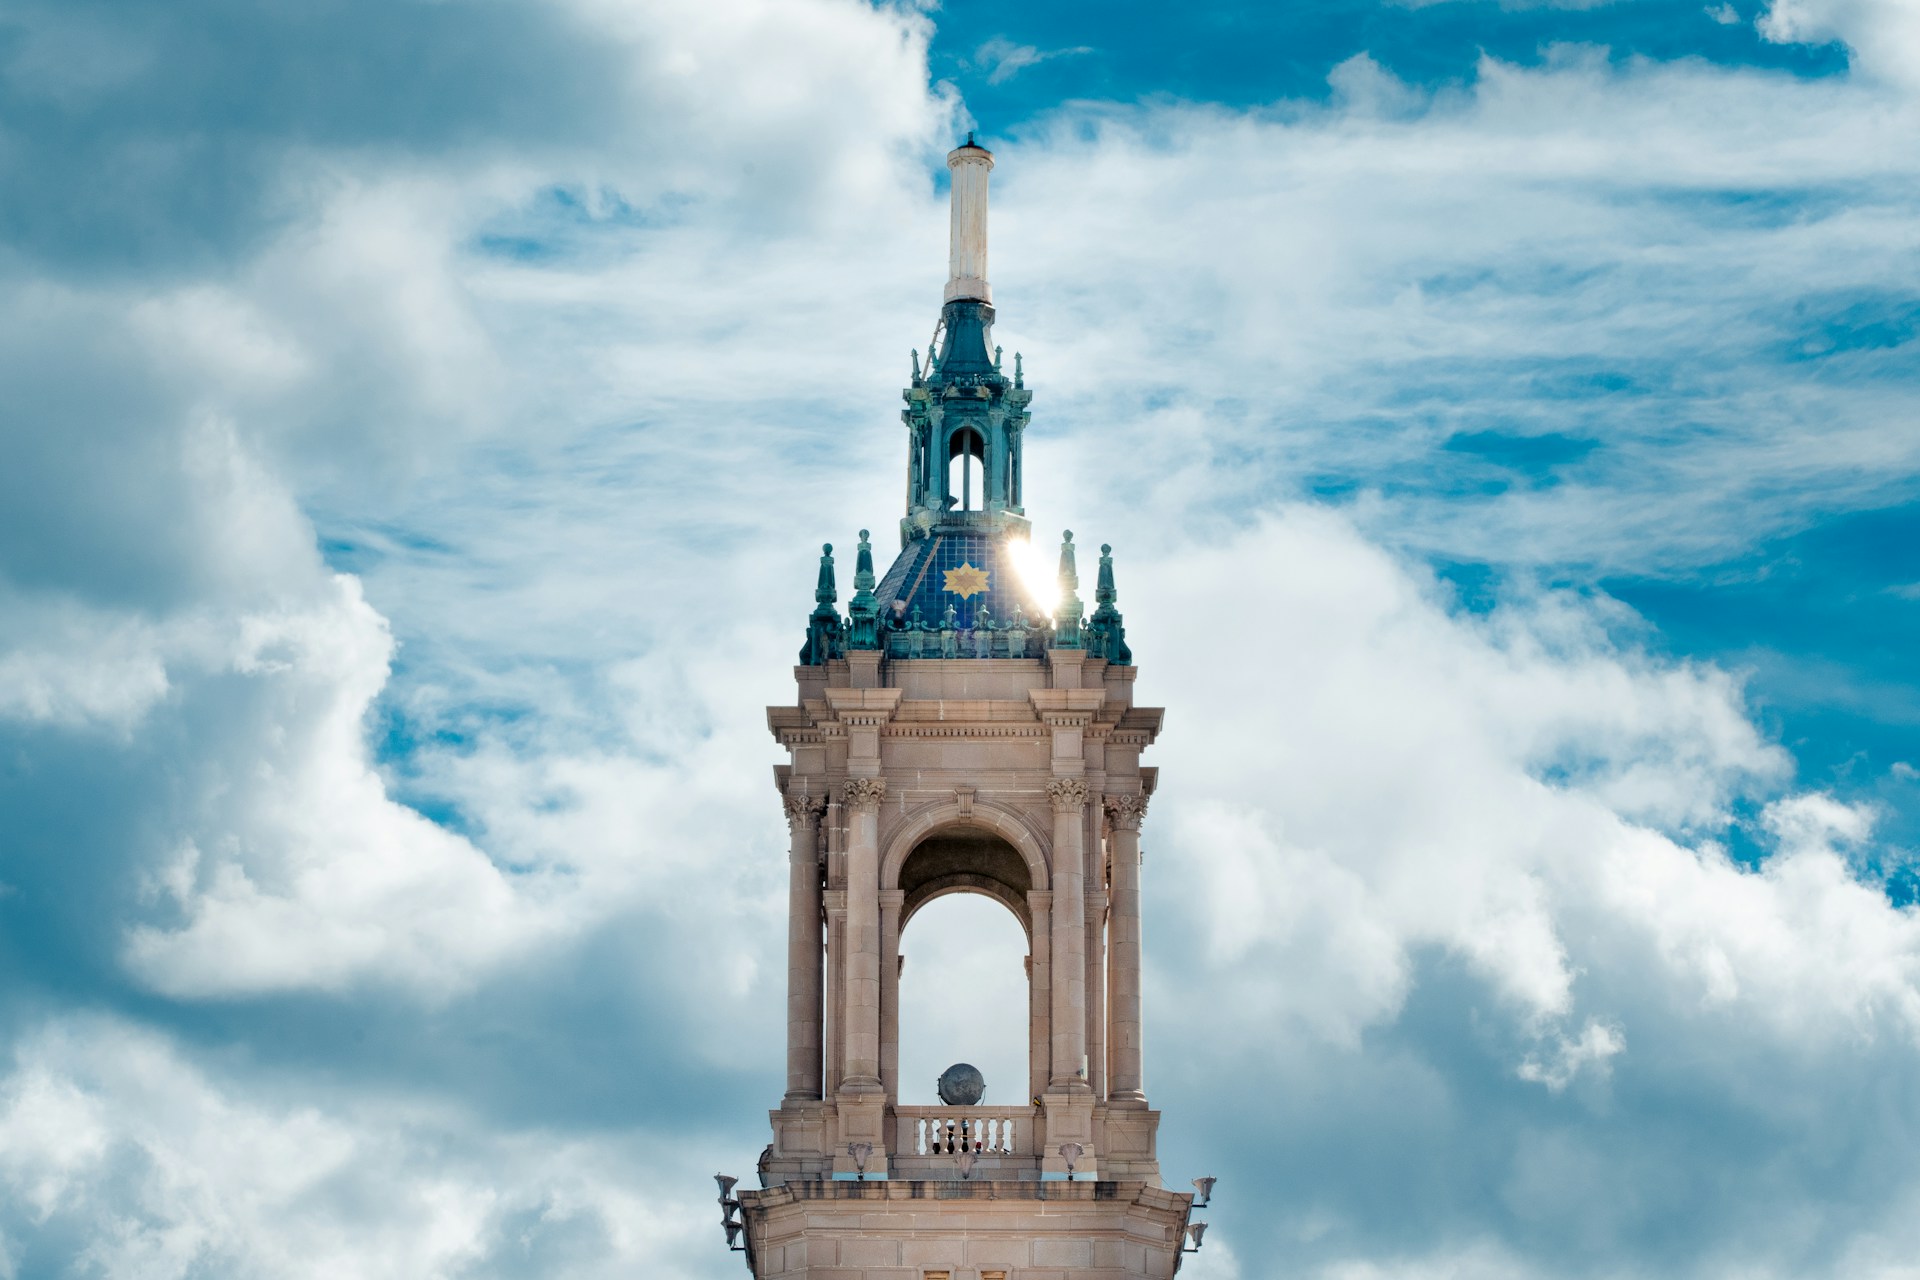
421	421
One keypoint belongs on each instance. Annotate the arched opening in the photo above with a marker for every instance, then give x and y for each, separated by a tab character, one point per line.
966	471
963	986
963	998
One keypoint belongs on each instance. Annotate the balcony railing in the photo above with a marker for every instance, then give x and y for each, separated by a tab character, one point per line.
985	1131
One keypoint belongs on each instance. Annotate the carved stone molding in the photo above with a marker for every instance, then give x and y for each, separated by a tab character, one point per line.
865	793
1067	794
1125	812
802	809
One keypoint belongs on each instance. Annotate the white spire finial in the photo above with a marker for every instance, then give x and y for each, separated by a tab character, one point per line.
967	256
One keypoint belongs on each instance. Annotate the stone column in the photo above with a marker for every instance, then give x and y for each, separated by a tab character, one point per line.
805	991
1040	993
890	903
1127	1085
1069	796
863	935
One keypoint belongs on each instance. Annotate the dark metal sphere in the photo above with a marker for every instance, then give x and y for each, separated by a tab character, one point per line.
962	1085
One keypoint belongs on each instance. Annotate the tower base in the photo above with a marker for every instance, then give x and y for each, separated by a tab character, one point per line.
964	1230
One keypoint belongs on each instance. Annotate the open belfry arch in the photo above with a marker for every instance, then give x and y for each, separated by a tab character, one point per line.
954	732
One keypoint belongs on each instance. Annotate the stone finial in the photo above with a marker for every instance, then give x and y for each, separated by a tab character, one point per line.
1106	630
826	636
863	565
1066	618
824	589
863	610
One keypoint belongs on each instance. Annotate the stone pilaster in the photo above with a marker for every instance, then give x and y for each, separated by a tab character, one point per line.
805	991
834	1025
863	797
1040	993
1096	967
891	901
1069	797
1126	1087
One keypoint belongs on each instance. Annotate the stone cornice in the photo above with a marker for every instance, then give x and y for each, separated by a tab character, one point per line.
1144	721
863	707
952	730
1014	710
1081	704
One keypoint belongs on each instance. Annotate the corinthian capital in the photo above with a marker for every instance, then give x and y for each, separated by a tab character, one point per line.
865	793
802	809
1125	812
1067	794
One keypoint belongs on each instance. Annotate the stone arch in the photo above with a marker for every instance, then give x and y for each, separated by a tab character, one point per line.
931	819
1023	847
1012	897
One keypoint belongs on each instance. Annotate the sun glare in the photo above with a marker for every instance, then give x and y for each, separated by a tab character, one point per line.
1038	573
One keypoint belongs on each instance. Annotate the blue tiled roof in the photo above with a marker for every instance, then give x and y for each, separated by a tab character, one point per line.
919	579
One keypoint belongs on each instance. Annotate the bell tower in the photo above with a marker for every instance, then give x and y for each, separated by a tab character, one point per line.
965	726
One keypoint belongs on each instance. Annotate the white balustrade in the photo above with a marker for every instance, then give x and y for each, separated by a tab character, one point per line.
986	1131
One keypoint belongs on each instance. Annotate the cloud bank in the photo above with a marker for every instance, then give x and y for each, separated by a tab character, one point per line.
414	460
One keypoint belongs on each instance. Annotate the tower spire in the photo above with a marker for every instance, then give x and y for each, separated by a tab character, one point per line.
964	414
969	164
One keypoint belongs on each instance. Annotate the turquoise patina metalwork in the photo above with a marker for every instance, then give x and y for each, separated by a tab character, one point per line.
1067	614
1106	632
863	611
955	590
826	635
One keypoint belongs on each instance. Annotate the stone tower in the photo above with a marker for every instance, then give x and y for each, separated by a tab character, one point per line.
955	732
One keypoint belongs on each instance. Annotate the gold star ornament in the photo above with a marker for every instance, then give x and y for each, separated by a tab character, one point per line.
966	581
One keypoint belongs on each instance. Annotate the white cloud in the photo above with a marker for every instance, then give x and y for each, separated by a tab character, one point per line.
1002	59
1362	789
1596	1043
1367	688
115	1142
1884	35
350	354
1356	295
105	675
581	479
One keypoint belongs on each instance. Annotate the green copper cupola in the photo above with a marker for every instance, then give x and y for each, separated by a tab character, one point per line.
964	416
965	583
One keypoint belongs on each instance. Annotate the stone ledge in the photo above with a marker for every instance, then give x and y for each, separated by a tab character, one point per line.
904	1189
